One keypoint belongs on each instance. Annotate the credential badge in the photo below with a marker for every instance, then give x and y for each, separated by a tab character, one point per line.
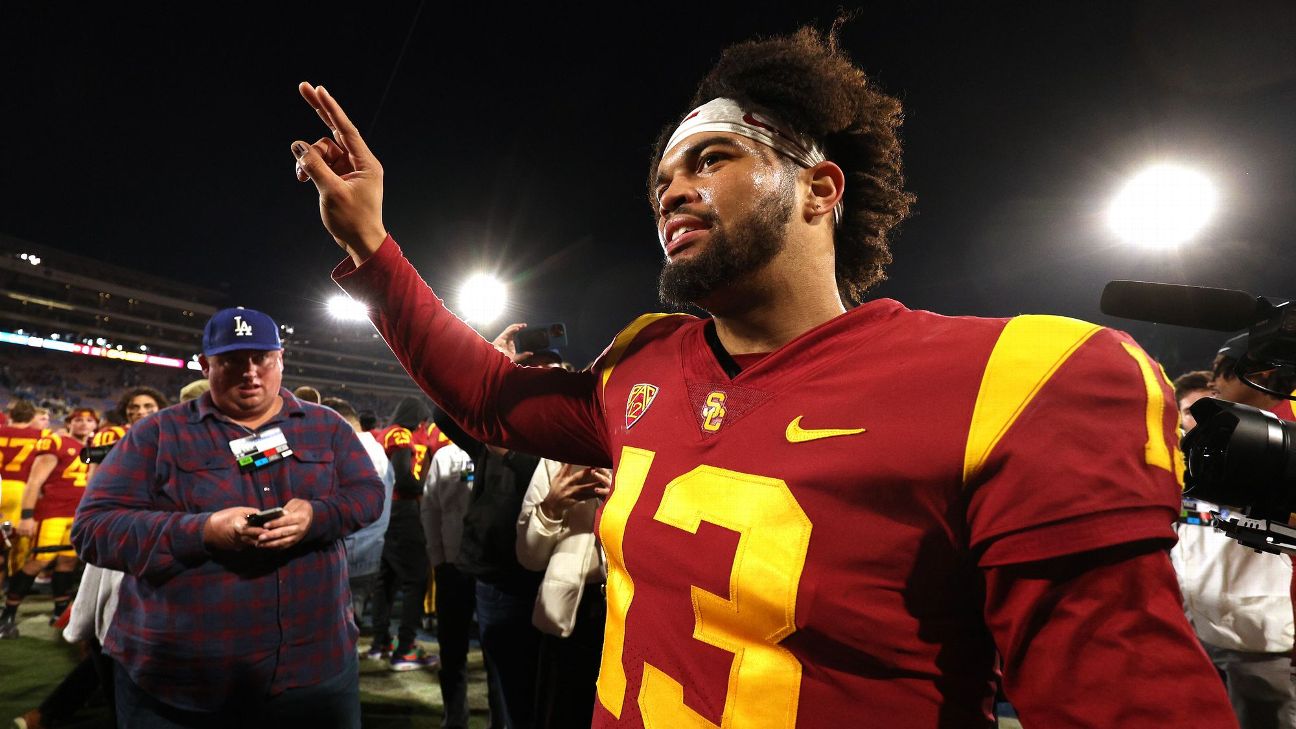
641	398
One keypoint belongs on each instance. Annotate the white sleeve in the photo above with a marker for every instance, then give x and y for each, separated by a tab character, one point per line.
537	533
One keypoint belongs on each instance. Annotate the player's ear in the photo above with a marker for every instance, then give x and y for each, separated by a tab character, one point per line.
204	364
827	185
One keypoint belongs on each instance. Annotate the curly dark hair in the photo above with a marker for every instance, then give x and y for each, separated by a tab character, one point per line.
135	392
806	81
1281	379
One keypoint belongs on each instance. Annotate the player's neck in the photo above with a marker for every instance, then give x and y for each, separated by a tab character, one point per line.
777	305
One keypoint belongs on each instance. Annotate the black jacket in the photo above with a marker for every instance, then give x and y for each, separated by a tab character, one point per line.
489	547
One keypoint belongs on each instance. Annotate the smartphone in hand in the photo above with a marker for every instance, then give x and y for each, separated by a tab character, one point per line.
534	339
265	516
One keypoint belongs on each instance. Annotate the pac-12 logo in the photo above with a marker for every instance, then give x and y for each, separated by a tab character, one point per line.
641	398
242	328
713	411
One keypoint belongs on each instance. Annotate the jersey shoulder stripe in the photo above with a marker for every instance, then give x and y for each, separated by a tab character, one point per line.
1029	350
622	342
108	436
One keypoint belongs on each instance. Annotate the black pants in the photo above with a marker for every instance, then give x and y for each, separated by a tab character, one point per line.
510	643
333	703
94	671
404	568
456	601
569	667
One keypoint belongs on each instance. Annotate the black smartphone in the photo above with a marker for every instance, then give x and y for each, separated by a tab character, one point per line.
536	338
261	518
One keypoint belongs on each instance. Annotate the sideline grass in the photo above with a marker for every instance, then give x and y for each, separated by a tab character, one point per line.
32	665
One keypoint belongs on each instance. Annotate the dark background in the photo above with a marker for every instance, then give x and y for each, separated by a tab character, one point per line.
516	139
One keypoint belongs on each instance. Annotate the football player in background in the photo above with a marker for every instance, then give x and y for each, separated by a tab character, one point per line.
404	554
18	441
54	489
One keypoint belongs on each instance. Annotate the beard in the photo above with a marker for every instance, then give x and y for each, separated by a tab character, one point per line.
730	255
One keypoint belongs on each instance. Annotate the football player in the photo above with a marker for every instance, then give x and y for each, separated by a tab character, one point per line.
404	556
804	529
54	489
18	441
134	405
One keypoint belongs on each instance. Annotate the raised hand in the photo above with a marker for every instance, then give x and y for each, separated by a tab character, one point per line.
347	175
506	344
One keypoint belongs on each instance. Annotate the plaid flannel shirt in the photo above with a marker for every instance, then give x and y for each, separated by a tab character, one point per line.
198	628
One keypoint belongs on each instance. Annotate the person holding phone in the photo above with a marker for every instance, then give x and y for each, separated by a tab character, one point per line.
234	610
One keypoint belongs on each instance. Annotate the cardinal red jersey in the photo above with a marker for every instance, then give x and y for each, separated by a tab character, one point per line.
62	491
1285	410
17	449
109	435
394	437
831	536
427	440
801	543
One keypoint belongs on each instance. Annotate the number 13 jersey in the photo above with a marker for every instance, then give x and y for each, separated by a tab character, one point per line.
801	544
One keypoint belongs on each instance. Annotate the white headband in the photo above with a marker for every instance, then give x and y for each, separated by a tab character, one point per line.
725	115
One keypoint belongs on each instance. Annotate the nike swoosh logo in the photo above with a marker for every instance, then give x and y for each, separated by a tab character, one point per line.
797	434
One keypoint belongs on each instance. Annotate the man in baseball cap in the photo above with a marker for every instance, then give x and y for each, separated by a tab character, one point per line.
242	358
239	328
239	535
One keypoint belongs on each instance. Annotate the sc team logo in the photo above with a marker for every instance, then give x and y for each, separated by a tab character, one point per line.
242	328
713	411
641	398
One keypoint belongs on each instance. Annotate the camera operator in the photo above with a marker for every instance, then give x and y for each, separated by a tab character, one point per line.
1238	599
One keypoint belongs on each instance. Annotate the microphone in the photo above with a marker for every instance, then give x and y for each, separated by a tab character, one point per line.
1199	307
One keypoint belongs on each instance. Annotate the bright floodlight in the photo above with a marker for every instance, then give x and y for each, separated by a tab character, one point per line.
481	299
346	308
1162	206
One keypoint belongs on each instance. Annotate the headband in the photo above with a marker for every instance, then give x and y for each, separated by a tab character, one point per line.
725	115
82	411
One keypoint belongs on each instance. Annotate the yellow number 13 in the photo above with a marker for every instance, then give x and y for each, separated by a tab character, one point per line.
774	535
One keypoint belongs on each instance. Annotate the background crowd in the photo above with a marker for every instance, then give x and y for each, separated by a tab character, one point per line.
462	549
480	544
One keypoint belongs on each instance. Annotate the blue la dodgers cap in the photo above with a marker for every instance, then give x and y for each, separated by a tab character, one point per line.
239	328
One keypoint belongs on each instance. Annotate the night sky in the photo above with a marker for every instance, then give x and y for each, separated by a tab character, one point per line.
517	140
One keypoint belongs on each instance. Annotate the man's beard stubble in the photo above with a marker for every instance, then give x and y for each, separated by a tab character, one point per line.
729	256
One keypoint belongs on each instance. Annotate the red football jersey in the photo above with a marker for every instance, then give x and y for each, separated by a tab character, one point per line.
17	449
395	436
109	435
427	440
787	543
62	491
843	533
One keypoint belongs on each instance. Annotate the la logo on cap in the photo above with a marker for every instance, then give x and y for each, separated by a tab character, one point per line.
242	328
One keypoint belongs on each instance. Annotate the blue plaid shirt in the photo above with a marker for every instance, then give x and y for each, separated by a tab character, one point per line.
198	629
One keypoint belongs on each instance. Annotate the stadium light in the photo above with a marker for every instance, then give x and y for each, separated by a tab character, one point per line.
1162	206
482	298
345	308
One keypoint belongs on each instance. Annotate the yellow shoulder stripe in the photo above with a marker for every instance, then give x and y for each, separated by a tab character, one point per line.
1030	349
622	342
